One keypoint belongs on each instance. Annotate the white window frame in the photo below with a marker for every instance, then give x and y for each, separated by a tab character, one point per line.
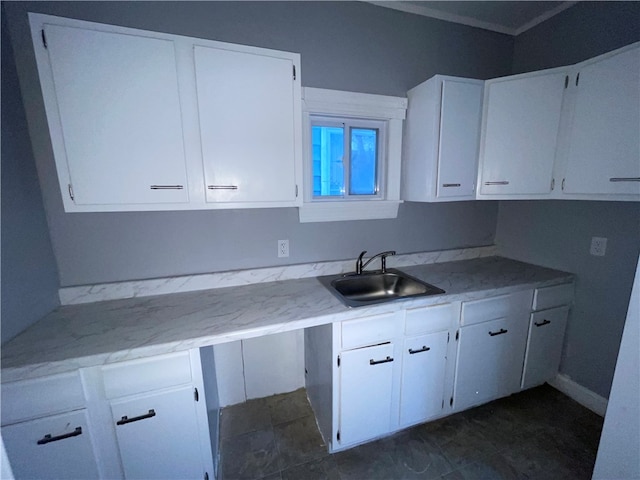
351	108
348	124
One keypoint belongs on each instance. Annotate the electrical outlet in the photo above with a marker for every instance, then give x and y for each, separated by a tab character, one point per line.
598	246
283	248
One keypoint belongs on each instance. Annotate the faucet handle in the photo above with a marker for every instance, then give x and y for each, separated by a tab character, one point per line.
383	259
359	262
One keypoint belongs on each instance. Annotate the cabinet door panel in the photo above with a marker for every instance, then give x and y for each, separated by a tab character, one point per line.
423	372
544	346
520	134
605	134
460	115
490	358
161	439
119	115
246	108
70	457
365	393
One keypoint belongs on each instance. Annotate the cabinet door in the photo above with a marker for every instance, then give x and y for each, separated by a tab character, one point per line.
52	447
460	114
490	357
117	128
247	125
158	435
366	376
604	149
423	374
544	346
520	130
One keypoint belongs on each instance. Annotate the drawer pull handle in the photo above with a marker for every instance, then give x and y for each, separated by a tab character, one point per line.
450	185
502	182
222	187
166	187
376	362
423	349
48	438
124	420
500	332
625	179
542	323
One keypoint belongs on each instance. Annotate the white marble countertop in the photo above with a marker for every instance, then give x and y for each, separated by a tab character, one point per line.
76	336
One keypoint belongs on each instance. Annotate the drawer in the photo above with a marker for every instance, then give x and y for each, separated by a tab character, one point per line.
370	330
38	397
478	311
429	319
138	376
549	297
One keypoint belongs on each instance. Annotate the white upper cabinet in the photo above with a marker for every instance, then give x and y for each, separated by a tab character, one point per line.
119	133
603	152
247	107
441	140
150	121
519	134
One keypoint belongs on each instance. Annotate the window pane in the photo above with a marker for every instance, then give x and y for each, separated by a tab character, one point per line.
364	161
328	166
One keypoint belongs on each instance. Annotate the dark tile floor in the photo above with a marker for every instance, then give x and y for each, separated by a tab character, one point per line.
537	434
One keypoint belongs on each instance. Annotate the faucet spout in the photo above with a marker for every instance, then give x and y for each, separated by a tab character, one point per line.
383	261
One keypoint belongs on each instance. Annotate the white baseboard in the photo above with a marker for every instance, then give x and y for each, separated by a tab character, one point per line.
580	394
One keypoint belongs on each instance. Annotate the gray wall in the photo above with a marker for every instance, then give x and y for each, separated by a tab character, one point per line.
558	234
344	45
29	273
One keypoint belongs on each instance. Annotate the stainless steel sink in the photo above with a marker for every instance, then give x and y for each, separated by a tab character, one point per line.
357	290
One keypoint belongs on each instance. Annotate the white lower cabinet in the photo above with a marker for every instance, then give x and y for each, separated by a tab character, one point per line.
423	377
544	346
140	419
53	447
157	435
371	376
491	347
366	382
490	357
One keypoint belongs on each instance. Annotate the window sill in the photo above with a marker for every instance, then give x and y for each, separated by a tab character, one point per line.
343	211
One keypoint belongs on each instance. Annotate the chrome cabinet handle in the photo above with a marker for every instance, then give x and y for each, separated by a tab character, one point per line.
222	187
376	362
542	323
450	185
502	330
124	420
423	349
625	179
48	438
166	187
502	182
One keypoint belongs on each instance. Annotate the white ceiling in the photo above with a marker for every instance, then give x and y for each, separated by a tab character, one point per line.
510	17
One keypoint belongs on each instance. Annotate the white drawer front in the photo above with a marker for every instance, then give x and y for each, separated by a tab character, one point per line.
38	397
549	297
429	319
137	376
491	308
370	330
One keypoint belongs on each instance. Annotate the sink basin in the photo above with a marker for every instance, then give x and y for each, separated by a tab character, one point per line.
376	287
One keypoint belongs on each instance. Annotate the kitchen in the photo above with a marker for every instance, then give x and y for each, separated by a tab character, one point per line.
110	247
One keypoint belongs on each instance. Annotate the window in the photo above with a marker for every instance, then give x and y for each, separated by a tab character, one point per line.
352	145
346	158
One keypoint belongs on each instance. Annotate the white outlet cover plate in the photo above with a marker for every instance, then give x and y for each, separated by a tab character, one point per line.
598	246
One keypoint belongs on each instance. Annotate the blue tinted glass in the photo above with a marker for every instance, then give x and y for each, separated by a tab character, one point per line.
327	155
364	161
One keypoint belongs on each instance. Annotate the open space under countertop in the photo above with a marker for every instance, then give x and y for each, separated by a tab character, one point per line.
92	334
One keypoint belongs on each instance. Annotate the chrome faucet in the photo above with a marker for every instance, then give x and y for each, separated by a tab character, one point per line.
383	260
